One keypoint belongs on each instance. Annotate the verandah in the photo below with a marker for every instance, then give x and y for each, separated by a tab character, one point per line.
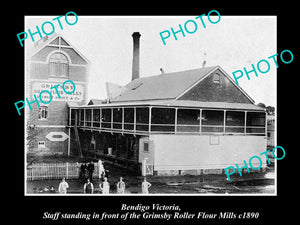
151	119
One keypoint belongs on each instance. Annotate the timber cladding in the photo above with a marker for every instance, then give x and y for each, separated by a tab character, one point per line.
215	88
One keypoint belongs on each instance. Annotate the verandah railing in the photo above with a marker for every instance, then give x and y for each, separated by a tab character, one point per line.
171	120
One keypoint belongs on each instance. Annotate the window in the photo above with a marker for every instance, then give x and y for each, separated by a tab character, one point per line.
41	144
106	118
128	118
216	79
43	112
212	121
88	117
117	118
214	140
256	122
96	117
188	120
58	65
235	121
163	119
81	116
146	147
73	117
142	119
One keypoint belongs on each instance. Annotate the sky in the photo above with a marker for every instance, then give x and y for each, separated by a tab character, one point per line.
233	43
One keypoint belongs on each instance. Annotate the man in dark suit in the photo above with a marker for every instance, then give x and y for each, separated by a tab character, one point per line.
91	169
82	176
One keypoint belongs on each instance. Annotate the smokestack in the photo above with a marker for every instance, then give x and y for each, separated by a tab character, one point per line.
136	56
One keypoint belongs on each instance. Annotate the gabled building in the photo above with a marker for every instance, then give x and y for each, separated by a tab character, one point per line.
52	61
195	121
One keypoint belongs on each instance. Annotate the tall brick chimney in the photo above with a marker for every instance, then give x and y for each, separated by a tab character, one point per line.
136	56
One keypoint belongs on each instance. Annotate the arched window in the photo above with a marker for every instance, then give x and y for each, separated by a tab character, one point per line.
216	79
43	112
58	65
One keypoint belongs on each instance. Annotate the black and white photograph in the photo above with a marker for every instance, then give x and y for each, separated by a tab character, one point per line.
153	118
151	99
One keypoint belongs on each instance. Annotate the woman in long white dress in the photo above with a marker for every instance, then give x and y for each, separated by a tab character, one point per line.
101	169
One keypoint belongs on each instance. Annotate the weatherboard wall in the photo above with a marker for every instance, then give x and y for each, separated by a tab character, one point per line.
215	88
186	152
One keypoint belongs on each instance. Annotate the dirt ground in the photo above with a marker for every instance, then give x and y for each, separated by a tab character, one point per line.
251	183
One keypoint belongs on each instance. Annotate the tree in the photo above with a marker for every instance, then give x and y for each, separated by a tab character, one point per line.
261	105
31	134
270	109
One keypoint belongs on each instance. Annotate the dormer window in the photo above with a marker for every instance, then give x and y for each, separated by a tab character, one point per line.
58	65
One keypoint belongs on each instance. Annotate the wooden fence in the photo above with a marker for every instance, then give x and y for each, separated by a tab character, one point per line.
43	171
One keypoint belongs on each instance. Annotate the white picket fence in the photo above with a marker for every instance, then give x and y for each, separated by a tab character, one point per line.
43	171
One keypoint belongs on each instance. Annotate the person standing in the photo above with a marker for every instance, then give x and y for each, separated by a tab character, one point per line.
83	169
88	187
90	169
101	169
104	187
63	186
121	186
145	186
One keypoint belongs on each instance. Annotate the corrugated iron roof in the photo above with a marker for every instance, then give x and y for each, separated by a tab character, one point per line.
164	86
215	105
181	104
95	101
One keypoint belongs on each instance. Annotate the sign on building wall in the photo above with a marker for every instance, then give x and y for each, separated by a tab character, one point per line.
57	136
76	96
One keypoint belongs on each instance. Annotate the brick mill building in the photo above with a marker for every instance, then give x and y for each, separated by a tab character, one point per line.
194	121
51	61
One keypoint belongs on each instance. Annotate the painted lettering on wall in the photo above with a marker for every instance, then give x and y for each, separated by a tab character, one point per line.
49	92
57	91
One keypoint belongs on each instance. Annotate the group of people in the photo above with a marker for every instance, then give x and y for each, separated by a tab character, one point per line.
86	171
86	176
104	186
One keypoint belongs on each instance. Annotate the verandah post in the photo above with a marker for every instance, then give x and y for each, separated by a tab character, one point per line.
200	121
67	170
245	123
176	109
149	121
224	122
